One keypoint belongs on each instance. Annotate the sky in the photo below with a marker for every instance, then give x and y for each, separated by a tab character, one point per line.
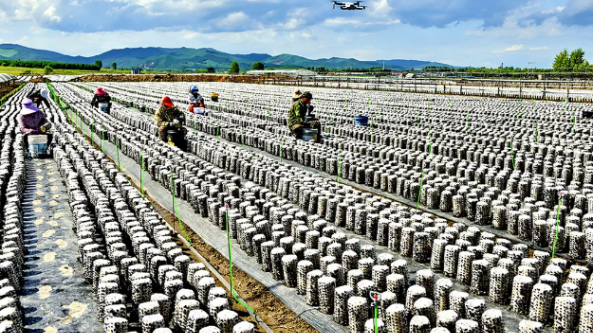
457	32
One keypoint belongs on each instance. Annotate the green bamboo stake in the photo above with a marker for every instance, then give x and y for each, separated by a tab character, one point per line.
231	263
117	152
536	131
142	174
557	226
429	142
243	136
512	156
420	191
281	148
176	210
102	139
376	327
217	128
339	165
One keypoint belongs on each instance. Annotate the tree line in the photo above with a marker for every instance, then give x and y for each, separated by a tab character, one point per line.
52	64
573	62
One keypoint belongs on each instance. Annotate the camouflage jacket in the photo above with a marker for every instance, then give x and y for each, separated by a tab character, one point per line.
297	114
165	115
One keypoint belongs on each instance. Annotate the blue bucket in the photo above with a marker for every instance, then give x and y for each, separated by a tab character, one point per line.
310	134
361	121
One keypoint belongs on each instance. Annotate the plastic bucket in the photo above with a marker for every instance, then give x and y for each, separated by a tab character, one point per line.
37	145
361	121
310	134
104	107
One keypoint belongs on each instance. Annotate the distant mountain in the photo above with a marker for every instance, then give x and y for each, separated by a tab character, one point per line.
14	52
189	59
253	56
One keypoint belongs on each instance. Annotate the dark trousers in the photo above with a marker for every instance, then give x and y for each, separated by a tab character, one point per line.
40	100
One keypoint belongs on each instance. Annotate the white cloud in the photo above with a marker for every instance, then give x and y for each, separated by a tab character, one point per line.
380	8
22	40
514	48
538	48
510	49
341	21
233	19
50	13
191	35
297	18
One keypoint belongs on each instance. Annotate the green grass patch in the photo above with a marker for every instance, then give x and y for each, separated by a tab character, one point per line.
39	71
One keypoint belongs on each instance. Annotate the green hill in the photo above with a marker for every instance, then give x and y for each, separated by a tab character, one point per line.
189	59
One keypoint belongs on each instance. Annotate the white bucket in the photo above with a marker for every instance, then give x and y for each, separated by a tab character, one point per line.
200	111
37	145
104	107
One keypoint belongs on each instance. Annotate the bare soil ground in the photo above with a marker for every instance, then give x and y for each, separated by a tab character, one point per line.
8	89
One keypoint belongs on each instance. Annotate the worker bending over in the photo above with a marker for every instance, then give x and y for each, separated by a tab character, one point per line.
38	97
101	100
195	99
300	117
169	117
33	121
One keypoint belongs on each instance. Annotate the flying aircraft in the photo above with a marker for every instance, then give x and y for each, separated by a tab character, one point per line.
349	5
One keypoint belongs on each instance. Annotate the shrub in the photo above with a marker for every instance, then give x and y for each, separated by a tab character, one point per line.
258	66
234	68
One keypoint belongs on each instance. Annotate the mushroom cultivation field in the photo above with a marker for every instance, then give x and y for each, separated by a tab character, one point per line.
445	214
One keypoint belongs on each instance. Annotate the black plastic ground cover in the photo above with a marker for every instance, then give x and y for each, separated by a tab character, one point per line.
55	296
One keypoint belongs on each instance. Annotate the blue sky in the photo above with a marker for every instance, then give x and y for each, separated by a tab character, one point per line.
457	32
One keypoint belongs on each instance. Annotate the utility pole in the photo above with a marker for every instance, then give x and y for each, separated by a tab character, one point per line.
531	66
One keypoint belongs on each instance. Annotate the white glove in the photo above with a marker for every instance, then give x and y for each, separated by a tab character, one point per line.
175	123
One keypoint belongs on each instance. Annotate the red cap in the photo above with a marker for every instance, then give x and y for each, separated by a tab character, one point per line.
166	101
